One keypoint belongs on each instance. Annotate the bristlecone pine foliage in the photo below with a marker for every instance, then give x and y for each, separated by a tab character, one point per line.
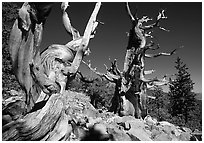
130	84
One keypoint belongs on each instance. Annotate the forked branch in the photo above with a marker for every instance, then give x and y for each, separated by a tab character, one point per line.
109	76
160	17
85	39
114	68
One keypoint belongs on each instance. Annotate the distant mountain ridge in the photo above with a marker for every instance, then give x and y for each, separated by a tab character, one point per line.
198	95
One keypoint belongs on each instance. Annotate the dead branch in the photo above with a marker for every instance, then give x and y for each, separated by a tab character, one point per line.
85	40
159	54
160	17
114	68
151	46
158	83
91	26
162	53
148	34
132	18
149	72
151	97
143	79
107	76
67	23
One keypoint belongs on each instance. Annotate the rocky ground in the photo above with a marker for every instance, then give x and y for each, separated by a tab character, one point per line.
71	117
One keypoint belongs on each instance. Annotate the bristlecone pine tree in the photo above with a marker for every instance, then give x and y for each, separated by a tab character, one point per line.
130	83
42	75
182	99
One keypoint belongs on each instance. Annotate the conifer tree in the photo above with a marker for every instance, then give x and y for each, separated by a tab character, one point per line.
158	107
182	98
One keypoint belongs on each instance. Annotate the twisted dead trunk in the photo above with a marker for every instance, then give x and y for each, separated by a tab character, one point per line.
65	115
130	83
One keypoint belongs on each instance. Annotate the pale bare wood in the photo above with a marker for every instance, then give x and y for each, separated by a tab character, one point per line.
85	40
67	64
162	53
67	23
133	75
24	42
106	75
149	72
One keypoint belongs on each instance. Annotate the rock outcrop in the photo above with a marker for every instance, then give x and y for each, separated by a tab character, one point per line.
70	116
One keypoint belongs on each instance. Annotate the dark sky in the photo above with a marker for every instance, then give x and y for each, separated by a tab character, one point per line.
184	22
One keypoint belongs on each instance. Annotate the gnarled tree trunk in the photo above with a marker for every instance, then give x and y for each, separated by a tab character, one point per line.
130	84
25	38
66	115
44	75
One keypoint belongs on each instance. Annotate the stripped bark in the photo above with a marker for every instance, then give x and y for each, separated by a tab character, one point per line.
44	75
49	72
55	121
24	44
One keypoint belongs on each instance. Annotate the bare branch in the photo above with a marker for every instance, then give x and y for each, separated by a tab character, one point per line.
149	35
162	54
109	77
151	46
106	67
155	81
115	77
164	29
158	83
149	72
152	97
129	12
85	40
155	84
145	19
114	68
67	23
148	80
148	96
157	55
74	44
160	17
91	24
